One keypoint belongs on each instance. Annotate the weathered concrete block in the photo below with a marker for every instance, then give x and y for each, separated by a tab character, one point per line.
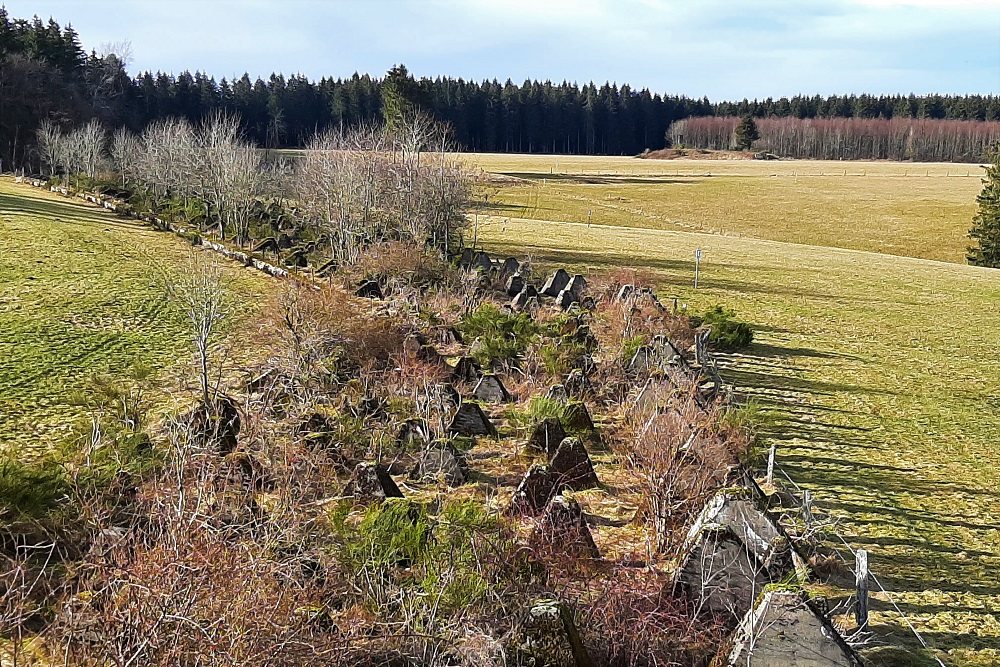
577	286
555	283
482	262
624	292
577	417
786	630
515	284
510	267
369	290
441	460
490	389
550	637
564	525
371	482
557	392
733	550
546	435
413	433
470	420
534	490
467	369
572	466
565	299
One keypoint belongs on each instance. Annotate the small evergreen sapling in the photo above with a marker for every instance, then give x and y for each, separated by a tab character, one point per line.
986	223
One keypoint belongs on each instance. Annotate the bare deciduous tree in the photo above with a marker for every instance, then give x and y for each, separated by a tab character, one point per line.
51	145
88	144
200	293
369	185
125	153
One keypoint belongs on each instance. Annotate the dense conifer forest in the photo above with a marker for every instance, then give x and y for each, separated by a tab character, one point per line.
46	73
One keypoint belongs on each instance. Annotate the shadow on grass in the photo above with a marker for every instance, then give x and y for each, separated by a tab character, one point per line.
60	211
835	445
602	179
602	261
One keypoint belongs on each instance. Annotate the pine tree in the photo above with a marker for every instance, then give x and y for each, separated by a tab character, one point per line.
986	223
746	133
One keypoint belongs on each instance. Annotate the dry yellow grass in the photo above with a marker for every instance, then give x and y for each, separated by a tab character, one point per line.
909	209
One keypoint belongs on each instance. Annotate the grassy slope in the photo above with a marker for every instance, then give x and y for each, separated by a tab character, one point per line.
80	292
885	373
916	210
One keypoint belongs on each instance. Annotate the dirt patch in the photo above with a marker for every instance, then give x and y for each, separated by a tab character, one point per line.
695	154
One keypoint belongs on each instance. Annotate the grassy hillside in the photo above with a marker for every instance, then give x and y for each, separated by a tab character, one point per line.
884	375
81	291
908	209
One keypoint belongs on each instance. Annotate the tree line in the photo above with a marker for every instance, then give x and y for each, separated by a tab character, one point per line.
923	140
46	74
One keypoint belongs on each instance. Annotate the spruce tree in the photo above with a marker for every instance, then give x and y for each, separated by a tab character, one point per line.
986	223
746	133
399	96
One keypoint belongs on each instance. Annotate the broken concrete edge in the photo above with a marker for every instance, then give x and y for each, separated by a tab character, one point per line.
555	607
745	636
706	521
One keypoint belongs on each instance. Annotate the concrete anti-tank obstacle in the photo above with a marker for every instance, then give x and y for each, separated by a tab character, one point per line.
371	482
785	630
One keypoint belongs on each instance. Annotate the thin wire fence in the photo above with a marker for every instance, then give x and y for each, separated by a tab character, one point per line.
799	497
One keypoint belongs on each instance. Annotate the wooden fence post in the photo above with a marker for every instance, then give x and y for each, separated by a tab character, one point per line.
807	505
770	464
861	579
701	346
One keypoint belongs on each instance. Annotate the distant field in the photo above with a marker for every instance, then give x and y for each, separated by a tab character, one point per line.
908	209
80	292
885	376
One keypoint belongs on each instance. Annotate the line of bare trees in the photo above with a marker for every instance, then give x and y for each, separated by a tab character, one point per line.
922	140
79	152
370	184
352	188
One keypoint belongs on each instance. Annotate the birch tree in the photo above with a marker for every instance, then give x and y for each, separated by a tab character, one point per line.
51	144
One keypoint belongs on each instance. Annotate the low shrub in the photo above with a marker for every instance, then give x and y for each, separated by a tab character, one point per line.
400	545
539	408
728	333
501	336
396	262
630	346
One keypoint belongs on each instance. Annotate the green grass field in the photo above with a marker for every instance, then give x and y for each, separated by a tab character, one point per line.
915	210
81	291
883	371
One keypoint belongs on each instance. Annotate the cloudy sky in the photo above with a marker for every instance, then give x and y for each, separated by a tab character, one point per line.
721	48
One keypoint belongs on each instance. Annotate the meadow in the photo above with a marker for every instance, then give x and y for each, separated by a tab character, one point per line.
881	372
82	291
909	209
880	369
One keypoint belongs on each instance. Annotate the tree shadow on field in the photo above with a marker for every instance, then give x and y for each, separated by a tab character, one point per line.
602	179
60	211
607	261
836	432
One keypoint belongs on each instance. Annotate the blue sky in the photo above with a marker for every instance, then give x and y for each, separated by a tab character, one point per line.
725	49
